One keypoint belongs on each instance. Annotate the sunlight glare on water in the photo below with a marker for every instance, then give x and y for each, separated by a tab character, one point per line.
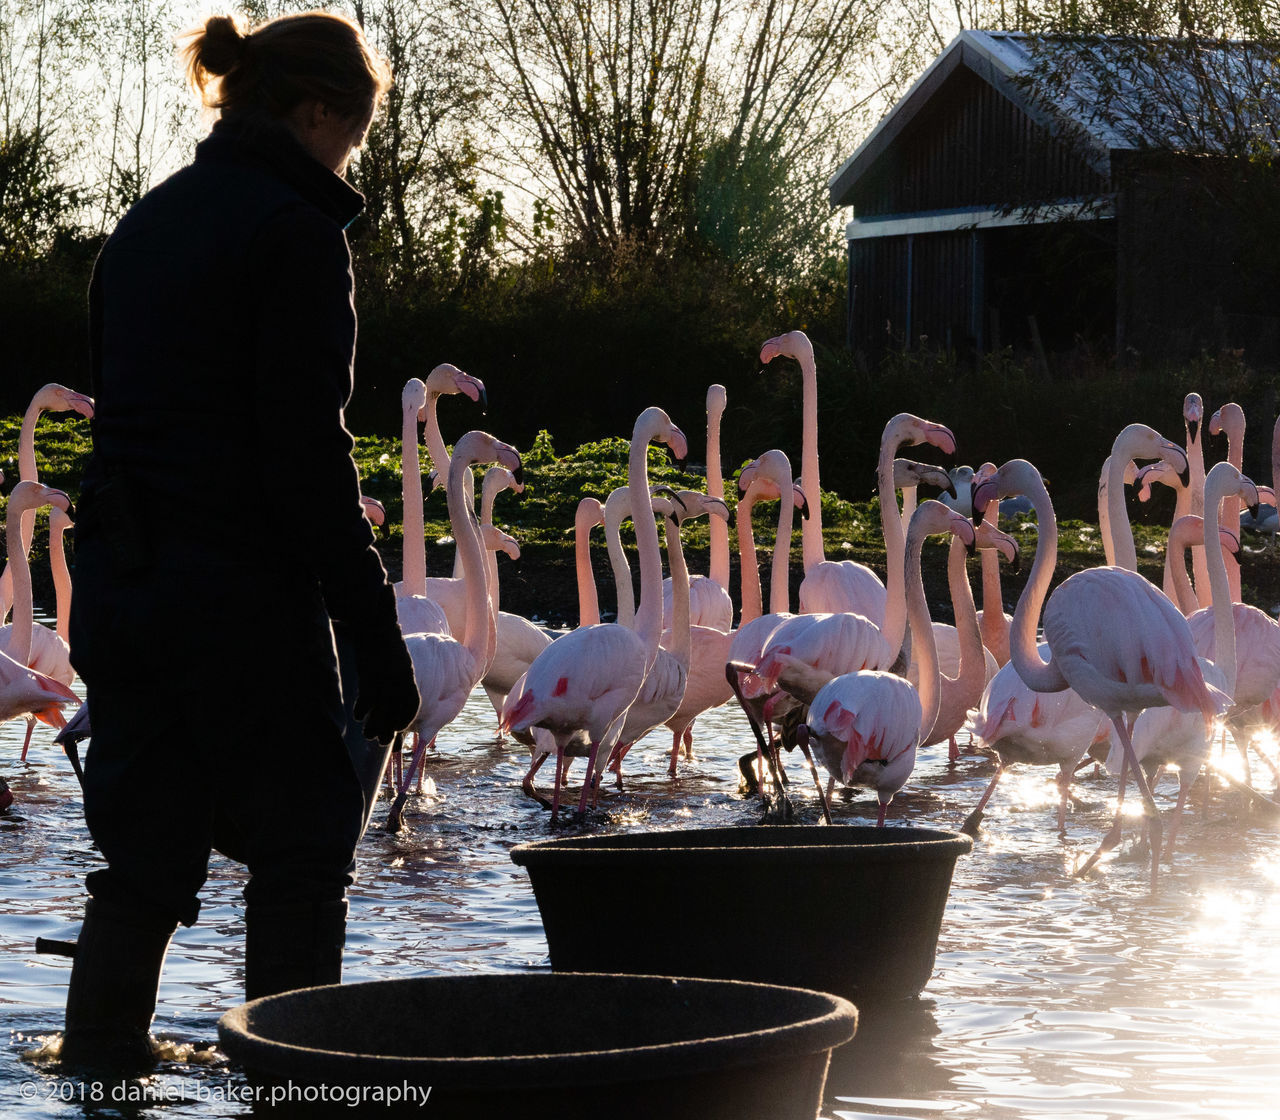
1052	996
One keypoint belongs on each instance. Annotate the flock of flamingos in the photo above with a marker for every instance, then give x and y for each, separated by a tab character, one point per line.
858	676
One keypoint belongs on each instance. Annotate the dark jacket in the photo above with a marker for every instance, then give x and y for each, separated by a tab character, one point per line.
223	335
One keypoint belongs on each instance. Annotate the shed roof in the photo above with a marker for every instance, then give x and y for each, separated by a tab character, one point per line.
1110	93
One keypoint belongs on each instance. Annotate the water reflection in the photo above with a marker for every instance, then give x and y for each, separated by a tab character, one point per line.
1052	996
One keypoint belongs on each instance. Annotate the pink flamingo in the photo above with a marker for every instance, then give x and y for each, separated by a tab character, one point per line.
448	670
1111	636
866	726
586	680
1193	501
48	398
539	740
993	622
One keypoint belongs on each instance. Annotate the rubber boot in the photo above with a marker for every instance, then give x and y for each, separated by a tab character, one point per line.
291	947
112	995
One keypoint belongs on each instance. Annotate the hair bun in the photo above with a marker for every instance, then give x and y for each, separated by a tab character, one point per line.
222	46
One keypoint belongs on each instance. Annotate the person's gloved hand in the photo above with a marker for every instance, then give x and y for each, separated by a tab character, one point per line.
387	695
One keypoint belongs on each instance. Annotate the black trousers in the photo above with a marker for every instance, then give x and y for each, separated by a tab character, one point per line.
217	722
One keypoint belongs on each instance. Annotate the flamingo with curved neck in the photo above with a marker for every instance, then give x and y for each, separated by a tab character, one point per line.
585	681
1120	643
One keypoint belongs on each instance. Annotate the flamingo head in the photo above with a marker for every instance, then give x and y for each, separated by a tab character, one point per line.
58	398
481	447
33	495
988	536
447	379
495	540
1228	421
907	472
717	400
374	511
1193	415
413	397
793	344
801	502
911	430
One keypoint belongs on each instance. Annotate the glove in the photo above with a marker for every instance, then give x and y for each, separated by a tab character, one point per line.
386	693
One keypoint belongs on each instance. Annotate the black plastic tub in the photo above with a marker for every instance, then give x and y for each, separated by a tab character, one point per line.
848	909
533	1045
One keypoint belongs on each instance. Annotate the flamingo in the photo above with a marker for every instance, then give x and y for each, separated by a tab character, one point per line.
539	740
866	726
1120	643
48	398
445	669
25	691
709	602
586	680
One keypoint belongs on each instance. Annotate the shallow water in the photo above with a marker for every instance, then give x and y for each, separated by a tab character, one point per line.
1052	996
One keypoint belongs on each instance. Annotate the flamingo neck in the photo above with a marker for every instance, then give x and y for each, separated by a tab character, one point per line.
649	613
1126	555
1037	675
480	631
780	568
995	626
413	555
895	609
588	600
922	638
1177	583
616	511
1230	517
973	664
1224	624
811	529
27	472
61	579
19	647
749	576
681	641
719	561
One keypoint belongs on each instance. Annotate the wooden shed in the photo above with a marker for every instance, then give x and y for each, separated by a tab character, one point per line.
990	212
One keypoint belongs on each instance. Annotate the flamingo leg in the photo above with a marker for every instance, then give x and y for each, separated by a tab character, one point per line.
675	753
590	778
555	795
1064	796
974	820
802	741
528	786
31	726
1112	838
688	743
953	751
880	815
395	818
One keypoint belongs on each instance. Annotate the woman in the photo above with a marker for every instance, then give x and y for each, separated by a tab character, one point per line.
223	336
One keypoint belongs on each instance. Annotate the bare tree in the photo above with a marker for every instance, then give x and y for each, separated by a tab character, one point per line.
619	108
